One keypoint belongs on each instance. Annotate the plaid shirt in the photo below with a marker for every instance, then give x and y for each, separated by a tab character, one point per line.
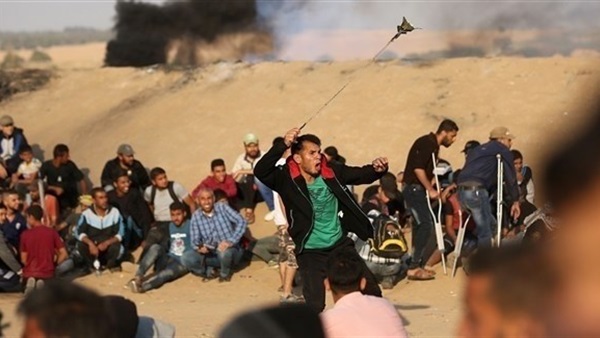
224	224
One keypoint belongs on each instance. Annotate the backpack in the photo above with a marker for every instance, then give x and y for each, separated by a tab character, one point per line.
388	240
174	197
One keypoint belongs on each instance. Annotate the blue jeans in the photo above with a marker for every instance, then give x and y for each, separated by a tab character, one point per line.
166	267
416	202
477	202
266	193
203	264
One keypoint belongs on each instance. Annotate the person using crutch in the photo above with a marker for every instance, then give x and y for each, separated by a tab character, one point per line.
418	178
479	178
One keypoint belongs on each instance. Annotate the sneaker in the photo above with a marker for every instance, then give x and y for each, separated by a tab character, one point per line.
29	285
270	216
273	264
291	298
39	283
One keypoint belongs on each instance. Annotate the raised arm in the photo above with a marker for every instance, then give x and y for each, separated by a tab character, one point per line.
265	169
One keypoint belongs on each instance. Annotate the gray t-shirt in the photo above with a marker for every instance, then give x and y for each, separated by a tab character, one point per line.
162	201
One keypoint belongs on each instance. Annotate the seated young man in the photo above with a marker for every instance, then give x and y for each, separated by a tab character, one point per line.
100	232
355	314
7	252
27	171
159	197
12	140
216	230
135	211
168	266
219	179
452	219
50	203
42	250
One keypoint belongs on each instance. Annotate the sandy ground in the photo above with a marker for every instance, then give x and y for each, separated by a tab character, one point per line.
181	120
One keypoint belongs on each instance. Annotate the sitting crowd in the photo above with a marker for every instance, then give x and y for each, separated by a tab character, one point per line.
206	232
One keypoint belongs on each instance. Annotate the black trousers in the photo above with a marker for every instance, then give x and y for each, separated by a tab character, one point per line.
108	258
312	265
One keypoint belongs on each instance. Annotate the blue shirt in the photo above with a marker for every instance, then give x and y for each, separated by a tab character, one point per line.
482	167
223	224
13	229
179	242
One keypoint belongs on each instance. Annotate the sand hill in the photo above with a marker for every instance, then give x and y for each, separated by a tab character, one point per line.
181	120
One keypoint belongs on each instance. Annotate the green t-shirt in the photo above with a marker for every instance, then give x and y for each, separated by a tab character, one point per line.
327	229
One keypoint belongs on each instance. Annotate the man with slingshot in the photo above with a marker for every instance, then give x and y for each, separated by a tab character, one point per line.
319	207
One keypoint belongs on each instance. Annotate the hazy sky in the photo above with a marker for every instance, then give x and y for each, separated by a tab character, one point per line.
32	15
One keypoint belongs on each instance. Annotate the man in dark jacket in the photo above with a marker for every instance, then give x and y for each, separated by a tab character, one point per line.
125	162
12	140
319	208
479	178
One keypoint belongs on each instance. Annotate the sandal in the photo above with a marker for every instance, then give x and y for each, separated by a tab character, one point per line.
420	275
430	270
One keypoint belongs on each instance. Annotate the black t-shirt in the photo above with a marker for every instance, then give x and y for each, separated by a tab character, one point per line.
132	204
419	157
66	176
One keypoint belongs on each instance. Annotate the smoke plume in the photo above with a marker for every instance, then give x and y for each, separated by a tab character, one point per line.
148	34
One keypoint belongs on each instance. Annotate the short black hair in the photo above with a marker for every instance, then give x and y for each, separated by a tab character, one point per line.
177	205
448	126
36	212
516	154
278	139
155	172
95	191
25	149
120	173
217	163
64	309
60	150
219	194
344	271
299	144
2	206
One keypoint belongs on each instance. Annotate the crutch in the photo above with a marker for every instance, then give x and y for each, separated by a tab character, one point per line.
439	235
499	196
460	237
40	183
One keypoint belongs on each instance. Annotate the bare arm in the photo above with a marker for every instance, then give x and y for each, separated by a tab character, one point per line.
61	255
24	258
449	219
190	202
83	187
425	181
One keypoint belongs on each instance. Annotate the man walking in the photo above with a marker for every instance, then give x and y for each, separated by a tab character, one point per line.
479	178
319	208
418	178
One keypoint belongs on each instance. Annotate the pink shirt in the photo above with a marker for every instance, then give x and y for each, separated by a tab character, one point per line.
358	315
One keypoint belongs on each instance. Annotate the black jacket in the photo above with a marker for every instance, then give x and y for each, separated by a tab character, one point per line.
291	186
137	174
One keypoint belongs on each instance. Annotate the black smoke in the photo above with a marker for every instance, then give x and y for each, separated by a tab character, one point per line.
144	31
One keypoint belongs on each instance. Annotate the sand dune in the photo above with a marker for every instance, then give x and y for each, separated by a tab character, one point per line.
181	120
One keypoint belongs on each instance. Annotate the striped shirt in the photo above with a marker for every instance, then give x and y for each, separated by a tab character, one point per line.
223	224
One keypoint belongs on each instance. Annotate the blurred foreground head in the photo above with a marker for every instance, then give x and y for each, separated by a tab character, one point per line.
289	321
61	309
572	184
508	293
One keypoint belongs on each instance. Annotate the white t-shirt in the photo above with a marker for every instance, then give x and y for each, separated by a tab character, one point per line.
241	163
28	169
162	201
278	214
